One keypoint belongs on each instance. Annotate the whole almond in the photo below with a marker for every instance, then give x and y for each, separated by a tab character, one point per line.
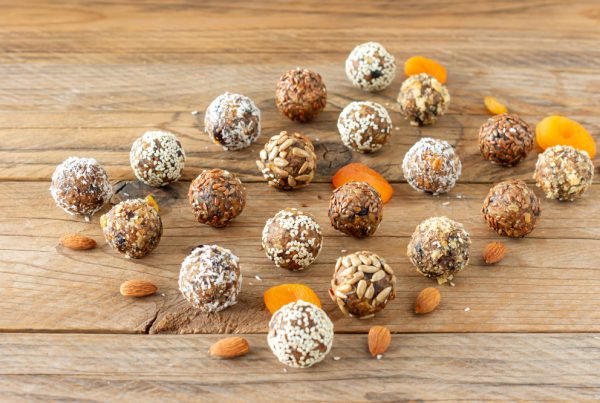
379	340
230	347
137	288
77	242
494	252
428	299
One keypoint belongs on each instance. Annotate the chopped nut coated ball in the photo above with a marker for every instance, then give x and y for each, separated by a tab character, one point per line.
511	208
217	197
292	239
423	99
157	158
80	186
301	94
439	248
370	67
356	209
563	172
232	121
300	334
210	278
505	139
364	126
362	285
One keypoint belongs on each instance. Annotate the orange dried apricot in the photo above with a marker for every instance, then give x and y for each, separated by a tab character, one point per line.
280	295
362	173
152	203
494	106
419	64
559	130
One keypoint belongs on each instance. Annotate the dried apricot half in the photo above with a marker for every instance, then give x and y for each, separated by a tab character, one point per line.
559	130
152	203
420	64
280	295
362	173
494	106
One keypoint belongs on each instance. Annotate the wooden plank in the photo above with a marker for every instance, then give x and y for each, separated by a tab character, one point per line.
448	367
546	282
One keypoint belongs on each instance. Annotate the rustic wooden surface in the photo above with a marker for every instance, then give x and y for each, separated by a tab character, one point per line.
86	79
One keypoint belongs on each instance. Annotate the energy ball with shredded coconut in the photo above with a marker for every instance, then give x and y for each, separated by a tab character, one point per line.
431	166
292	239
300	334
132	227
423	99
80	186
439	248
563	172
356	209
157	158
364	126
300	94
370	67
210	278
505	139
217	197
232	121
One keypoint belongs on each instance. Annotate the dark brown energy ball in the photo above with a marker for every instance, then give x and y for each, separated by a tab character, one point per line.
300	94
505	139
80	186
132	228
423	99
511	208
362	285
356	209
217	197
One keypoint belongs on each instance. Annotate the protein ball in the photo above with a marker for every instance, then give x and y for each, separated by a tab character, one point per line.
288	161
210	278
132	228
300	94
423	99
232	121
511	208
356	209
362	285
217	197
157	158
364	126
370	67
300	334
292	239
80	186
505	139
439	248
431	166
563	172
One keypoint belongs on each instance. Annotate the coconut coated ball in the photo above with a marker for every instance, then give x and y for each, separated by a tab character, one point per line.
423	99
157	158
364	126
370	67
232	121
300	94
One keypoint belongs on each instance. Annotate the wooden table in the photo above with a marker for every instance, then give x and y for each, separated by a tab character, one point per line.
88	78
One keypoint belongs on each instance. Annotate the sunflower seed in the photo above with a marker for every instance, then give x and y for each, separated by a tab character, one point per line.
346	261
303	168
338	264
286	144
291	181
303	178
273	153
355	261
375	261
369	316
368	269
388	268
263	154
340	295
378	276
343	308
357	276
365	259
348	272
280	162
346	288
383	294
280	172
370	292
298	152
361	288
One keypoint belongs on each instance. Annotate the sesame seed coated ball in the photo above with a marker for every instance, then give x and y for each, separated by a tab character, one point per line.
80	186
370	67
132	228
364	126
300	94
505	139
210	278
563	172
292	239
356	209
232	121
423	99
300	334
431	166
157	158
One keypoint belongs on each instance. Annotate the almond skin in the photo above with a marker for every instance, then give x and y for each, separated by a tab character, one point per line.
428	299
230	347
77	242
137	288
494	252
379	340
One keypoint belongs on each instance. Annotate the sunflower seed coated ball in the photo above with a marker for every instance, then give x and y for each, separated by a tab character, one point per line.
505	139
232	121
301	94
157	158
356	209
423	99
370	67
210	278
300	334
364	126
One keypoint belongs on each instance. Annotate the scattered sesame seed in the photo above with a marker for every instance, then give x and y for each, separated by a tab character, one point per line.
467	309
337	358
379	356
258	278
